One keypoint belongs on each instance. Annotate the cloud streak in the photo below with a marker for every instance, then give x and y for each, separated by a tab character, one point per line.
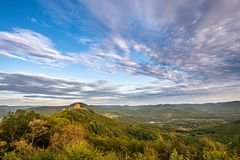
40	87
186	42
29	45
188	47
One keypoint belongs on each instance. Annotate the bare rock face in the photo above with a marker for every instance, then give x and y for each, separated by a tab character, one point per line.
78	105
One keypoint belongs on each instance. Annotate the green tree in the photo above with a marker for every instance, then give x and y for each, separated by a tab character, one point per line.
176	156
214	150
38	134
14	126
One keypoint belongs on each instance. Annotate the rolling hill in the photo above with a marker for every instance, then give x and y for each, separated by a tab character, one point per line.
77	132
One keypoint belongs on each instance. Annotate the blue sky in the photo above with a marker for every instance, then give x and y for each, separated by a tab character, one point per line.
55	52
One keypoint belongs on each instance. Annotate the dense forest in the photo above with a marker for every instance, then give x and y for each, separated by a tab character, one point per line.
80	133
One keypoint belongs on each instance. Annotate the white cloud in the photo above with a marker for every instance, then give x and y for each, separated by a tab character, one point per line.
188	46
83	40
181	41
122	44
29	45
27	88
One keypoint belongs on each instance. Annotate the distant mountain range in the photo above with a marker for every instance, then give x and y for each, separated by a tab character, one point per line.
147	113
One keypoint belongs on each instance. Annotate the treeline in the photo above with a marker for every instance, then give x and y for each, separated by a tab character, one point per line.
82	134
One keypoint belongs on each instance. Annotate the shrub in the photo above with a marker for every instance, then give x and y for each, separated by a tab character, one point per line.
176	156
15	125
78	151
67	136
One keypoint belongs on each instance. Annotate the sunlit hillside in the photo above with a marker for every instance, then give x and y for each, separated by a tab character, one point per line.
119	79
80	133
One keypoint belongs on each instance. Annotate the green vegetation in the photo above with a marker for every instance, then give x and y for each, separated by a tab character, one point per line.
82	134
183	116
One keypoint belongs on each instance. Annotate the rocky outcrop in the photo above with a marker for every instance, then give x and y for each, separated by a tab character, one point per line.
78	105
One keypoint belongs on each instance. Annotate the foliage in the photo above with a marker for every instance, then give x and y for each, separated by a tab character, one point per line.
78	151
176	156
69	135
15	125
38	133
214	150
83	134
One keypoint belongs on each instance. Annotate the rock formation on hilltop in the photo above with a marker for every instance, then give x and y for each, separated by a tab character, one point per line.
78	105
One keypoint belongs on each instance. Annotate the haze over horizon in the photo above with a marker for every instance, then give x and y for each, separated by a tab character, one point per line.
119	52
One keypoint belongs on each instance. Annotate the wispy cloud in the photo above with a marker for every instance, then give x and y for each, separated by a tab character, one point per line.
182	40
30	45
39	22
40	87
189	47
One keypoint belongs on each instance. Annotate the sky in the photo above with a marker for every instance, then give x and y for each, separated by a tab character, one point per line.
128	52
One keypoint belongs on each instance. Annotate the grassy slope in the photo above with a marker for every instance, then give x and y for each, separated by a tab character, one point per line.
108	134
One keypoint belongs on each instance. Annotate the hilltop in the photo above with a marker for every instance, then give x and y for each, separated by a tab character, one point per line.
54	109
188	116
78	105
77	132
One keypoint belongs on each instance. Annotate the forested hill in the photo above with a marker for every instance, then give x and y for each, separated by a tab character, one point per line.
162	113
226	110
79	133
